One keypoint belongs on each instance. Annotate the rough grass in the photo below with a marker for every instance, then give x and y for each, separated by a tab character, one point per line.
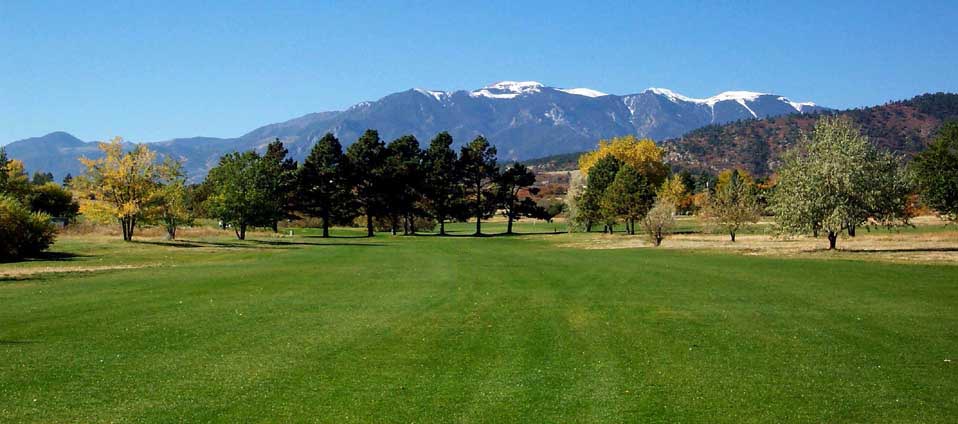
500	329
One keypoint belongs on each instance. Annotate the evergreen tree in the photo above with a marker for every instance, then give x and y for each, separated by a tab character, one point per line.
367	160
403	183
477	161
67	180
280	180
442	188
508	185
41	178
4	170
323	185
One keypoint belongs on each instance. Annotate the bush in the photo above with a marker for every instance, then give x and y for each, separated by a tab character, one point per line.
23	233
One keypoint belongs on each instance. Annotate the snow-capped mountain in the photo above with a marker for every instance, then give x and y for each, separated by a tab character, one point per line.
524	119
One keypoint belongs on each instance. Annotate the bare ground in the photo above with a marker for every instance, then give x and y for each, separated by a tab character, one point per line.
903	247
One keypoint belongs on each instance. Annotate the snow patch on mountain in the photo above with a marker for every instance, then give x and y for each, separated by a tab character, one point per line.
671	95
438	95
799	106
507	89
587	92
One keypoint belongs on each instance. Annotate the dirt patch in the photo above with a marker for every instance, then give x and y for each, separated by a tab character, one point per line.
27	272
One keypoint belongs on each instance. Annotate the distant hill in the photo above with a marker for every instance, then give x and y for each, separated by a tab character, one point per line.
522	119
904	127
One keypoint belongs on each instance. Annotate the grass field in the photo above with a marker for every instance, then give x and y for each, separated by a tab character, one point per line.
457	329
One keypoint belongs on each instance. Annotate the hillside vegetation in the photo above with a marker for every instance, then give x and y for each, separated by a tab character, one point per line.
903	127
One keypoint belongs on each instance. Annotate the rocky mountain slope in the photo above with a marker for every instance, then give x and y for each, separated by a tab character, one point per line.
522	119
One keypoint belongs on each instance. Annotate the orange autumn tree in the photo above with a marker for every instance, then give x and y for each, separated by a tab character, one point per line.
120	186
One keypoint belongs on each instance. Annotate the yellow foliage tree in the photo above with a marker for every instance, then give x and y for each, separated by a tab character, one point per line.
17	183
643	155
120	185
673	190
726	175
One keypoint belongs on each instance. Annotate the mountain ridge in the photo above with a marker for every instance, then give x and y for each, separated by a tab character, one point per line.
523	119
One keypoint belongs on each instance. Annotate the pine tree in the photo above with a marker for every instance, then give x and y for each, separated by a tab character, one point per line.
477	162
508	185
442	186
323	185
367	160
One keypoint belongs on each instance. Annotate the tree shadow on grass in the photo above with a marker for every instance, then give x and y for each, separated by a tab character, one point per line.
303	243
16	342
903	250
45	256
191	244
335	237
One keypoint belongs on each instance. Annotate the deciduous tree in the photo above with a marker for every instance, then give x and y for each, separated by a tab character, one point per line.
172	201
836	180
936	172
119	186
659	221
734	204
240	194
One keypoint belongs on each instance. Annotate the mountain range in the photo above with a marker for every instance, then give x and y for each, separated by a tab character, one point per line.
903	127
522	119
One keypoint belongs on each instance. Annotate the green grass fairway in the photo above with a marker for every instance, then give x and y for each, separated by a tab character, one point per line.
499	329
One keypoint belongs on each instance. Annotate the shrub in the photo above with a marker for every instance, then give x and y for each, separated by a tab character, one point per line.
659	221
23	233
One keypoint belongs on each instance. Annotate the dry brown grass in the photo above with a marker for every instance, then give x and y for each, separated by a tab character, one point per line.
903	247
26	272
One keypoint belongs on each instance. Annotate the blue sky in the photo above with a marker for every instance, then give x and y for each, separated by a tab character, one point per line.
157	70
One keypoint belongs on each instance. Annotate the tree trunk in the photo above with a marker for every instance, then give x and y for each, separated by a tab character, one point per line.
275	226
588	227
509	225
478	225
242	232
326	223
832	237
369	225
442	226
732	233
851	230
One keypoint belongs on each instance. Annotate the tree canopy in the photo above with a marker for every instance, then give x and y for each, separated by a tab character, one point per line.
836	180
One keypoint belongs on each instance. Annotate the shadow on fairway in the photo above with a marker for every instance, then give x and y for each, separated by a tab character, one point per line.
336	237
17	342
483	235
303	243
45	256
905	250
183	244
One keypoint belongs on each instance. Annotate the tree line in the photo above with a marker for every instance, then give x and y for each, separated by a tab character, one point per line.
396	186
833	182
